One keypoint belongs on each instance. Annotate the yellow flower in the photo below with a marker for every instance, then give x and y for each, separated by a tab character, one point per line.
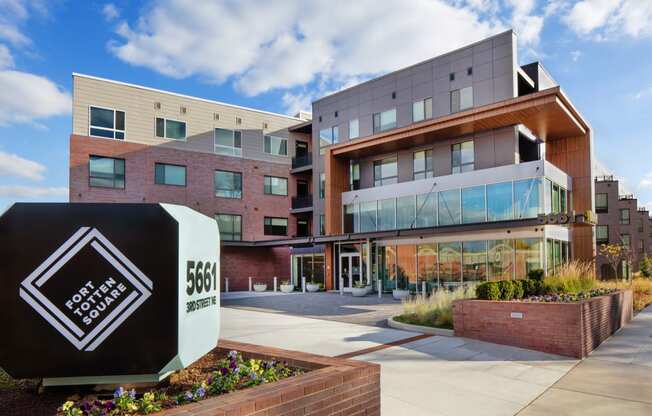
132	407
67	405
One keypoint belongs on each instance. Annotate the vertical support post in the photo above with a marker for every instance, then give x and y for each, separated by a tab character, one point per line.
380	288
275	283
423	289
369	262
303	284
226	284
250	285
341	286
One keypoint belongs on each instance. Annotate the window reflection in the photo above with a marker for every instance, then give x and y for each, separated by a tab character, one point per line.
473	205
475	260
500	259
449	207
427	264
405	212
526	198
450	267
426	210
386	214
499	202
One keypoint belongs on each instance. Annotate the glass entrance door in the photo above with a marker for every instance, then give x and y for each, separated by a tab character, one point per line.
350	270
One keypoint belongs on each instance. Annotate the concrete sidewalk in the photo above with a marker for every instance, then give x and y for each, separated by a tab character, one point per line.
615	379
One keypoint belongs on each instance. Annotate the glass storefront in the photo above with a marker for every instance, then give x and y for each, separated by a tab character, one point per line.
310	266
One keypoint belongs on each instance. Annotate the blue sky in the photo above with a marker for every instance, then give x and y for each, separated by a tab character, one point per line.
278	55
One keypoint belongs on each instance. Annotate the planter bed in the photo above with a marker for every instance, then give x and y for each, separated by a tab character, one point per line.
572	329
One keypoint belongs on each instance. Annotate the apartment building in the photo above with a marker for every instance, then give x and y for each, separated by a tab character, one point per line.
135	144
620	221
445	173
461	168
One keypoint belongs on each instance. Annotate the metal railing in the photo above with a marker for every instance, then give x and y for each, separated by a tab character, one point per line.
303	201
301	161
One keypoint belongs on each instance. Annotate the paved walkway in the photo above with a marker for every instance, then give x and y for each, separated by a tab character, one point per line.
615	379
429	376
367	310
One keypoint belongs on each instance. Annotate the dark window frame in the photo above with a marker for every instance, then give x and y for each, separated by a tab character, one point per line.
268	227
215	184
114	159
602	209
222	234
267	187
185	174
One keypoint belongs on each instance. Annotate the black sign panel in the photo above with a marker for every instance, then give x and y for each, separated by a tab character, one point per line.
88	289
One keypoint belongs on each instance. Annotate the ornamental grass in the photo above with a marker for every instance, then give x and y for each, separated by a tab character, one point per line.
641	288
435	310
570	278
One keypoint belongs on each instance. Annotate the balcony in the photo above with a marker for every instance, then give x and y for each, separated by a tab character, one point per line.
302	203
302	163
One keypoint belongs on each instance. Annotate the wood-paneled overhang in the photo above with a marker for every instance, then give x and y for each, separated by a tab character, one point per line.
548	114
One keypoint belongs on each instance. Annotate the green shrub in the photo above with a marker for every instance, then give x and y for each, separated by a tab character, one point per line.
506	289
531	287
519	290
488	291
536	274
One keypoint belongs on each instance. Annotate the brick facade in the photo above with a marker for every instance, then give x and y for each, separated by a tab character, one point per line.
333	386
237	262
570	329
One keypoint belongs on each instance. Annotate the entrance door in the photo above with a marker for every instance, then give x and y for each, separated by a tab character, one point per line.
350	270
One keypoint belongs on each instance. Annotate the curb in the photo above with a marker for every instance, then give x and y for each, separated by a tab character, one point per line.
421	329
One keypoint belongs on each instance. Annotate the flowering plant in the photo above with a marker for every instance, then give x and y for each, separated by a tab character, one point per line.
570	297
230	373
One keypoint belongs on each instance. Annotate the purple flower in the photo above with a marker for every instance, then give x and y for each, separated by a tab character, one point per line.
189	395
132	394
233	354
224	371
210	380
200	393
118	392
233	365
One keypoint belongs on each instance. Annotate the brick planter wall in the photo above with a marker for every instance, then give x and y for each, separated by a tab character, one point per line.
333	386
570	329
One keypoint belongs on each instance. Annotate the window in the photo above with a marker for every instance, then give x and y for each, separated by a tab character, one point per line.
450	264
228	142
106	172
463	157
602	234
368	216
426	210
230	226
640	226
387	214
461	99
500	206
276	186
228	184
170	129
276	226
526	198
641	246
422	110
385	120
528	256
624	216
169	174
354	129
322	185
474	261
276	145
322	224
354	175
449	207
422	164
625	240
105	122
328	136
473	205
602	203
405	212
386	171
500	259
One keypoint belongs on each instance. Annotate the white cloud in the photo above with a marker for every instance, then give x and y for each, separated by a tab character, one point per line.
576	55
645	92
27	97
526	23
18	192
14	13
110	12
6	60
607	19
16	166
293	43
646	182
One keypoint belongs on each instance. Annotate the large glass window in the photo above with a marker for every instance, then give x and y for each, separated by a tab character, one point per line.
276	226
526	198
528	256
368	216
351	218
426	210
602	234
354	129
474	257
461	99
165	174
354	175
106	172
450	264
387	214
422	164
228	142
325	137
602	203
406	265
427	263
386	171
500	259
228	184
385	120
106	122
230	226
405	208
555	198
624	216
170	129
277	146
276	186
422	110
499	202
387	266
449	207
463	157
473	205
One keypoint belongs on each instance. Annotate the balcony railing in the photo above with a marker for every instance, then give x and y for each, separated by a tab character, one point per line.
301	161
303	201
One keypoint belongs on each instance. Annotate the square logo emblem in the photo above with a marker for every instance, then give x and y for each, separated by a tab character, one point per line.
86	289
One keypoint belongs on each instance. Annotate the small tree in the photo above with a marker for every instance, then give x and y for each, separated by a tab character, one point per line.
645	267
615	254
